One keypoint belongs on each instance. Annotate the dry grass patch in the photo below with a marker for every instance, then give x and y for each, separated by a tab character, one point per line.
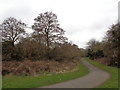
28	67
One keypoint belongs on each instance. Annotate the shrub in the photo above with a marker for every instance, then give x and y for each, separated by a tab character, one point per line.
28	67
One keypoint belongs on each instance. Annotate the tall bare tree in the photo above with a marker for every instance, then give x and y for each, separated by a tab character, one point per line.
47	27
12	29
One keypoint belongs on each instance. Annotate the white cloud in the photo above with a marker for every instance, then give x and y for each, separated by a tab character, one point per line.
81	19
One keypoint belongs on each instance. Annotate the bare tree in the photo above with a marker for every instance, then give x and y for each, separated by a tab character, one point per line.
46	25
12	29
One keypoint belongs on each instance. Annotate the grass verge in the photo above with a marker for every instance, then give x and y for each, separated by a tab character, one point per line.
112	82
42	80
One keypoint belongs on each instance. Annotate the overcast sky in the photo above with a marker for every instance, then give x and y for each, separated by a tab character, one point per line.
81	19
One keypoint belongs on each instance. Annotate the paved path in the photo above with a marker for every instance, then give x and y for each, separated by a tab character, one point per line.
91	80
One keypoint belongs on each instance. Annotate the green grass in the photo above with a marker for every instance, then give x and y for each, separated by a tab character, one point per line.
0	82
112	82
42	80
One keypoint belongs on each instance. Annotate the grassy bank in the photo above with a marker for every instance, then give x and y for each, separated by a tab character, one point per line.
42	80
112	82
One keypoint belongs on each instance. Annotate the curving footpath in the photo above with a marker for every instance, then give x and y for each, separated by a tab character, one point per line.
94	78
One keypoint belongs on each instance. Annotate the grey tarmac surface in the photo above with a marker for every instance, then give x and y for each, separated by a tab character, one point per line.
95	77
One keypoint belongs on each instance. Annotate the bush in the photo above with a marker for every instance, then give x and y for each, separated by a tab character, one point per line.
28	67
7	50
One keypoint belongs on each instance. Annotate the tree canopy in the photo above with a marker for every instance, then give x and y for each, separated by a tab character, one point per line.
12	29
46	26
